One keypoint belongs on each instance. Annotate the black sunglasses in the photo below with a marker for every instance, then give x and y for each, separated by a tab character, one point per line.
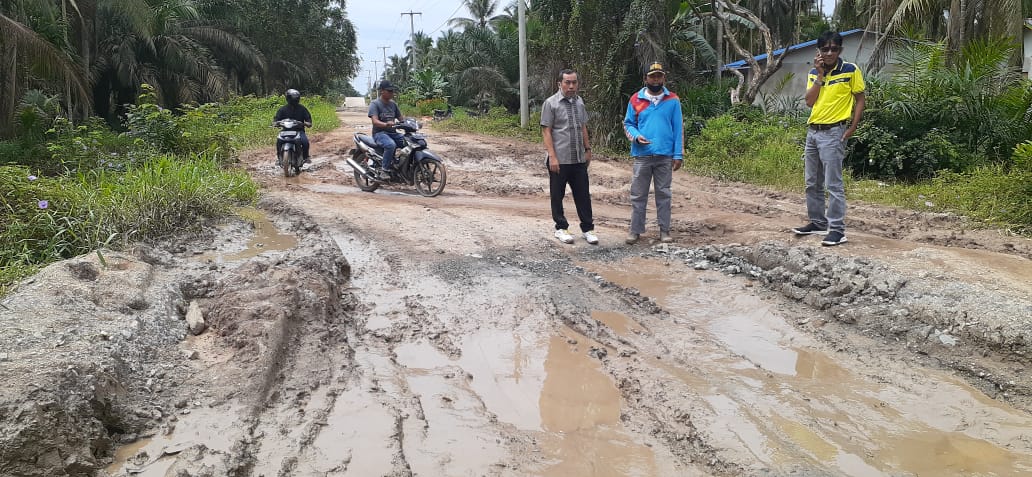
831	49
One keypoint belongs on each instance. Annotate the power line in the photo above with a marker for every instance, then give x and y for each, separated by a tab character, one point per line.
448	20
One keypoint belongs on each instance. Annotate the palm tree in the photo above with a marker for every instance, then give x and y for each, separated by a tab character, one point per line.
418	49
162	43
30	59
397	70
959	22
482	12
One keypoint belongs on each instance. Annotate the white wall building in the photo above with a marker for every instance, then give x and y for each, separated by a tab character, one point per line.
857	46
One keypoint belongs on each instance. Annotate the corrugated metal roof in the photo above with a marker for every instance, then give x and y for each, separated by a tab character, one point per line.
742	63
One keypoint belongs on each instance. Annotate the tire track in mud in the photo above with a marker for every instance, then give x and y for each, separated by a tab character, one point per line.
467	335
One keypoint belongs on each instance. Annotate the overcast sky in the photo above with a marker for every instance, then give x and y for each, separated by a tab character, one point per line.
381	23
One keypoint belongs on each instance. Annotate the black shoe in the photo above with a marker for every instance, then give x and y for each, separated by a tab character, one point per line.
810	229
834	238
308	160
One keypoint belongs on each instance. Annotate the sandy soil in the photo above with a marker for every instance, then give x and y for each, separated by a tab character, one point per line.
388	334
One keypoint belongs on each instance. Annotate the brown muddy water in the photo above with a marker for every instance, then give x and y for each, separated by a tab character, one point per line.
777	394
266	237
482	379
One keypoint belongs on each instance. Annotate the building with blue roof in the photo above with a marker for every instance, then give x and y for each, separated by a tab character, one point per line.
857	46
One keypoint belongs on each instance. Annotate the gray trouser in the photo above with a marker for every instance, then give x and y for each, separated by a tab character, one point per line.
646	170
823	157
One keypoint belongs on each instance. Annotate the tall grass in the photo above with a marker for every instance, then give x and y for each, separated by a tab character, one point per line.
990	193
252	118
768	150
497	122
52	218
165	174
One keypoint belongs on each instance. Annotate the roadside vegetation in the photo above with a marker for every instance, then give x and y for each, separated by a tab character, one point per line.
67	190
937	136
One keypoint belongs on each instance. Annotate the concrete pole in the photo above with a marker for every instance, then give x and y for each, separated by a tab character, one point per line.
524	100
384	48
375	74
412	34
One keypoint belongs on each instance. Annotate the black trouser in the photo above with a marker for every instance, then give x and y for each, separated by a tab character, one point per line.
576	175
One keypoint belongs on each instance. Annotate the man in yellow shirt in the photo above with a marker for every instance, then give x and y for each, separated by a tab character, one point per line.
835	91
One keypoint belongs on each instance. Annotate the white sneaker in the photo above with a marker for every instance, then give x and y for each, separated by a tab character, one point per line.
563	236
590	237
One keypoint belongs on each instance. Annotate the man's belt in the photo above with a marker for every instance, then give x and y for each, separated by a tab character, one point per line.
825	127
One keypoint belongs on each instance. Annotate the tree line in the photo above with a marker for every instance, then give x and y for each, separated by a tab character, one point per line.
85	58
610	42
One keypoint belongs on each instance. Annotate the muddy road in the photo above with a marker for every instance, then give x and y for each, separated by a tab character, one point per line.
388	334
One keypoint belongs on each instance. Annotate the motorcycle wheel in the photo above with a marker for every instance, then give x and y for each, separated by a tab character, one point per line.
361	180
296	163
431	176
288	158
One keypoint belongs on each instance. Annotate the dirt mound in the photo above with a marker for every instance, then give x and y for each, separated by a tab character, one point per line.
94	351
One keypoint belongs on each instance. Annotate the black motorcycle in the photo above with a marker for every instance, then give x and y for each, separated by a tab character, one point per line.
289	155
415	164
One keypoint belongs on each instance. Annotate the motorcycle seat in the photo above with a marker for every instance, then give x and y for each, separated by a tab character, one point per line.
367	140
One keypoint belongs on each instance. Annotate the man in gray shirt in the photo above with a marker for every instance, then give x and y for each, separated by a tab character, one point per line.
384	113
564	127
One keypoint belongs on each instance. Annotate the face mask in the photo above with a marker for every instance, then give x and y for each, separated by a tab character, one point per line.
655	88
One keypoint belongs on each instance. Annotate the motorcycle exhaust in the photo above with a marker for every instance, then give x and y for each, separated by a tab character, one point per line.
358	167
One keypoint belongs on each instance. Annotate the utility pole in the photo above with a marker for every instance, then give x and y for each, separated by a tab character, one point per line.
524	101
718	6
376	76
384	48
412	34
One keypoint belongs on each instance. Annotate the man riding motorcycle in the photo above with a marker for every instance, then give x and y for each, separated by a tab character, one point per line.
294	110
385	113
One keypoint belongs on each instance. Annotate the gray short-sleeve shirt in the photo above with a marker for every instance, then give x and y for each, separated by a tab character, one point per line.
565	116
384	112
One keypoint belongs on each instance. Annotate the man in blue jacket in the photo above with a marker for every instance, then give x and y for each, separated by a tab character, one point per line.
654	126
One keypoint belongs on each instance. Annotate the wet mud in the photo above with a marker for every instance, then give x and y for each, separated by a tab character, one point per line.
388	334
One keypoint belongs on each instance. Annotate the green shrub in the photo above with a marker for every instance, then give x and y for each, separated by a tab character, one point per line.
989	193
90	145
767	151
878	153
706	100
497	122
426	107
975	103
1021	160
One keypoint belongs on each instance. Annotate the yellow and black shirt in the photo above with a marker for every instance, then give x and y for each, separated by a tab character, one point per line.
836	101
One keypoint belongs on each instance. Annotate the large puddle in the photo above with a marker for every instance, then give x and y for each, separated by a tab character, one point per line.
267	237
549	386
775	392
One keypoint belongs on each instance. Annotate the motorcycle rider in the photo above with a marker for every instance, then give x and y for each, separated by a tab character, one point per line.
385	113
294	110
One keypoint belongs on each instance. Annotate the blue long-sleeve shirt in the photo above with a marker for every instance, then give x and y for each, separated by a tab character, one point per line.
660	123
